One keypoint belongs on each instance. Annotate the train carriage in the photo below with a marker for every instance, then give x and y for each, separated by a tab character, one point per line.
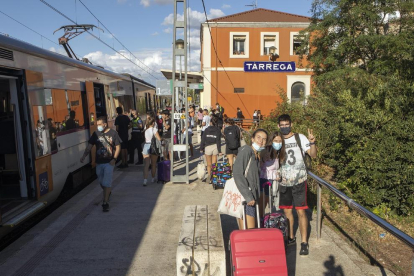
49	104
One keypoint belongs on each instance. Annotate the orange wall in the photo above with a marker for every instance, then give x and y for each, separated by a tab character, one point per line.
261	88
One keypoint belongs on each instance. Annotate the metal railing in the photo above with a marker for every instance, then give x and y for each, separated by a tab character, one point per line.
408	240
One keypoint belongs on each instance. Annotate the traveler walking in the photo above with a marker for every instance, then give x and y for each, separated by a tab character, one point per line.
211	145
190	124
200	117
206	122
270	159
150	158
137	138
293	187
239	117
232	138
248	158
122	125
166	134
108	148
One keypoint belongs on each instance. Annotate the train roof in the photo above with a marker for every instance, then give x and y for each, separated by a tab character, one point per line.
24	47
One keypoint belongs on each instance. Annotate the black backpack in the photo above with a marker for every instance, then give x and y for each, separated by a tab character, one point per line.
232	135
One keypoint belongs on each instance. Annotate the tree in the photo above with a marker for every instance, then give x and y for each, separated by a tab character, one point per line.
363	96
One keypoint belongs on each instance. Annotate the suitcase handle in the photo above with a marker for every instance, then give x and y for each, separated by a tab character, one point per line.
244	203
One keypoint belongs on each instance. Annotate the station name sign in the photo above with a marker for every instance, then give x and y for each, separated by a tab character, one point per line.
262	66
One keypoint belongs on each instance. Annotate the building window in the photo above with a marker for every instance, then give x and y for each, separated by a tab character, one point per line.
298	92
296	41
238	90
239	45
267	40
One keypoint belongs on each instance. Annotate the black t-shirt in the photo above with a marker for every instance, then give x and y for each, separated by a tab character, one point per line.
167	132
122	121
105	145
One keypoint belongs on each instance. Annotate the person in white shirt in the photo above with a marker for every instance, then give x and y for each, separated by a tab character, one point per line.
293	187
206	121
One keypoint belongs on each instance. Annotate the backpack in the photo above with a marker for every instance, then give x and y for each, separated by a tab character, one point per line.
306	159
155	145
232	137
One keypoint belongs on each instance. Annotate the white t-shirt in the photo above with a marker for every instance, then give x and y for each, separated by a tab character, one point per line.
294	171
206	119
149	133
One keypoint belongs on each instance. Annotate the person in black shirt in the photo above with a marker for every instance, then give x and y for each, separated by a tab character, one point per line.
122	123
70	123
108	147
211	144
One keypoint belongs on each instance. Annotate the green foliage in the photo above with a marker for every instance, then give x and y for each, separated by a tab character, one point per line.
361	109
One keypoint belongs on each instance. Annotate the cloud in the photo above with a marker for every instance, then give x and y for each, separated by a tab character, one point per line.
145	3
156	59
225	6
59	50
156	33
195	17
167	31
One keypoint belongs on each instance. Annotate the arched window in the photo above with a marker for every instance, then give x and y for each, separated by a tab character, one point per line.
298	92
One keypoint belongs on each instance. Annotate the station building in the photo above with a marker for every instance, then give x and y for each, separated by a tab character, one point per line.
241	74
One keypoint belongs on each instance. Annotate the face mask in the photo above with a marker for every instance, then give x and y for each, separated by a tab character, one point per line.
257	147
285	130
277	146
160	116
101	128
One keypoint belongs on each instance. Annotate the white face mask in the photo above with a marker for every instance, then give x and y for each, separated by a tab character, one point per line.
277	146
101	128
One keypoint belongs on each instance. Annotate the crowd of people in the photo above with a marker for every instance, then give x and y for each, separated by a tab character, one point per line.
275	160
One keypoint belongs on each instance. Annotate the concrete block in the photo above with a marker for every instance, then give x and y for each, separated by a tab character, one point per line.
200	249
217	254
184	258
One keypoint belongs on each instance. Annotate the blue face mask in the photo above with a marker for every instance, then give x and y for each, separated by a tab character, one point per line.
277	146
101	128
257	147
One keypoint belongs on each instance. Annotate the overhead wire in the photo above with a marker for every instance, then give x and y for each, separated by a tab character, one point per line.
218	58
103	25
93	35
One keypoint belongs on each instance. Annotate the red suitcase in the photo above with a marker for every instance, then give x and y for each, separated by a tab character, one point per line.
257	251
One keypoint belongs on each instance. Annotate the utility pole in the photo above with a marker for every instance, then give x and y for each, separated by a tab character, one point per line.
180	49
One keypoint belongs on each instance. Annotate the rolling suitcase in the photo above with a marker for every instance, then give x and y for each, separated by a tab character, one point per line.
276	220
257	251
164	170
220	173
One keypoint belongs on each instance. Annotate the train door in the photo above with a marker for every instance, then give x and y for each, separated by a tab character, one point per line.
14	188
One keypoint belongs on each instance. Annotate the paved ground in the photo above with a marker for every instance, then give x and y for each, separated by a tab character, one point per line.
140	233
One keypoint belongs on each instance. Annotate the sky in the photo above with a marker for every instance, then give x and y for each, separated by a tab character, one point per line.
144	27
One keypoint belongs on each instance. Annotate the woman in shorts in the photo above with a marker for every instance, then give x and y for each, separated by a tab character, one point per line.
211	145
150	158
246	175
270	160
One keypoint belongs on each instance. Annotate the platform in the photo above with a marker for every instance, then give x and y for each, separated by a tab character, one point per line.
139	235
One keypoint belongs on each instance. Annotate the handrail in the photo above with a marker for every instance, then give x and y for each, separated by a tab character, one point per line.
408	240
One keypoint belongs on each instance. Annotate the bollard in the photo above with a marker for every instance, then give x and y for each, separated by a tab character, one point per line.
319	212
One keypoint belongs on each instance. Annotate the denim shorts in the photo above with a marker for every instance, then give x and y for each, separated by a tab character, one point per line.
250	211
104	172
146	150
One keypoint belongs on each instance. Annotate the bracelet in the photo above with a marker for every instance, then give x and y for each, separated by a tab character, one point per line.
312	143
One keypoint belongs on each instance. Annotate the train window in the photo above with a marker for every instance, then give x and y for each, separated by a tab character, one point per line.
141	105
75	105
110	106
124	101
41	128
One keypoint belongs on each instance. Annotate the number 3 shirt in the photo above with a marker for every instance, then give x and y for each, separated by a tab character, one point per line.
294	170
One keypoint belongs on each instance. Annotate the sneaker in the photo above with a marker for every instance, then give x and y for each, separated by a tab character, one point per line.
145	182
304	249
291	241
105	207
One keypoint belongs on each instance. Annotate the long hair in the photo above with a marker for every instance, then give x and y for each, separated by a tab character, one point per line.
150	122
280	153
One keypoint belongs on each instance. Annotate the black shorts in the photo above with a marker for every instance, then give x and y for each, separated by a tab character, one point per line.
295	196
231	151
124	145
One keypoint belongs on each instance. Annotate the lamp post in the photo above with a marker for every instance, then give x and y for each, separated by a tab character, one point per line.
273	56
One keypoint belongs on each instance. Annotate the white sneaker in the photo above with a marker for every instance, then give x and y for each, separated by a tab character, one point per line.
145	182
154	180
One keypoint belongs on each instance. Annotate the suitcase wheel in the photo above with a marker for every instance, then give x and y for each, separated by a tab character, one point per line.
214	186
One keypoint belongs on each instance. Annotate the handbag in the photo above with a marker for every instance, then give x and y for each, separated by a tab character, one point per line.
201	169
306	158
155	146
231	201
